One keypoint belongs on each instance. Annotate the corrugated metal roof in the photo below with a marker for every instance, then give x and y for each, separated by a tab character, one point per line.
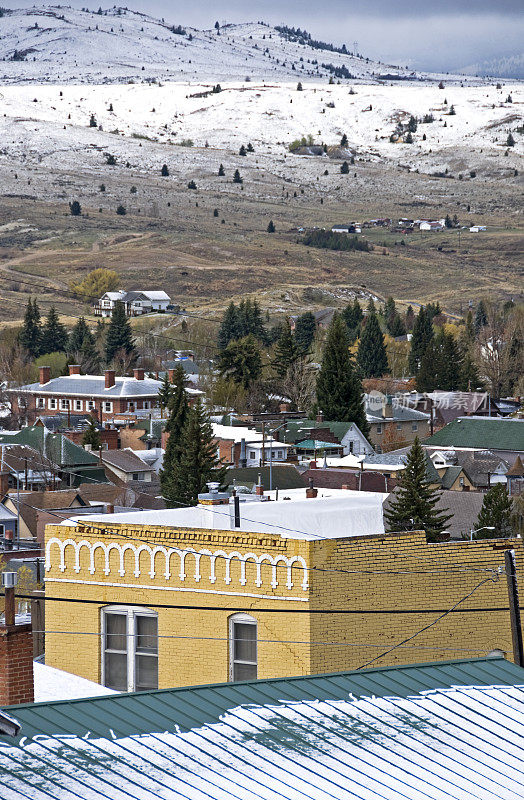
445	731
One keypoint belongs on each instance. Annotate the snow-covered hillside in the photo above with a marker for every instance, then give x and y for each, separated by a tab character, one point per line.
40	122
58	44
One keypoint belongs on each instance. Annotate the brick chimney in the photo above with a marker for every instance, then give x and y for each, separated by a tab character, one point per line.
311	492
16	652
110	509
260	487
44	375
284	407
4	483
171	375
138	374
74	369
320	416
109	375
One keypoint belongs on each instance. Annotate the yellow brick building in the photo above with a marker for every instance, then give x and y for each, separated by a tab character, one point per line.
173	604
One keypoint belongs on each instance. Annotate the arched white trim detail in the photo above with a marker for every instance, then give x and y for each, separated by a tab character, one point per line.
168	552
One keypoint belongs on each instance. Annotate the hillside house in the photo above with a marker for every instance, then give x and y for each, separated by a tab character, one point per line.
242	446
135	303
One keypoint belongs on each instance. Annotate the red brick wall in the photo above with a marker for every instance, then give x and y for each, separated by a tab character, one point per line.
109	437
16	665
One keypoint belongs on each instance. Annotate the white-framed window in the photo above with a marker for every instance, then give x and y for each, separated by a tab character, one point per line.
64	404
414	426
279	454
131	406
52	403
108	406
78	405
379	427
242	647
129	648
251	454
399	426
40	402
146	404
90	405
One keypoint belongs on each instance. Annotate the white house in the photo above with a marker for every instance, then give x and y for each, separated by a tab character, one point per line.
135	303
433	225
477	228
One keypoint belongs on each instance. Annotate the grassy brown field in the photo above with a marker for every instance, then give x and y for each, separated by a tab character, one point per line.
170	239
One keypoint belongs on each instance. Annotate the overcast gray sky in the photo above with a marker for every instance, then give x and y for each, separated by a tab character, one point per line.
429	34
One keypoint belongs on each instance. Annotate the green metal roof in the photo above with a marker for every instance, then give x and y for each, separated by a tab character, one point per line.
284	476
58	448
450	730
315	444
485	433
294	430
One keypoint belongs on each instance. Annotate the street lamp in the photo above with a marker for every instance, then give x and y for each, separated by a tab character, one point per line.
484	528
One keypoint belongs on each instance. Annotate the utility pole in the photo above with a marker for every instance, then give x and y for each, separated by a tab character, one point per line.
514	608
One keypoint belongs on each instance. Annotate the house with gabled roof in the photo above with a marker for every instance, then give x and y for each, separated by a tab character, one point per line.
135	303
504	437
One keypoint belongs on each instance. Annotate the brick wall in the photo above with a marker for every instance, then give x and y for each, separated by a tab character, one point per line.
16	665
381	574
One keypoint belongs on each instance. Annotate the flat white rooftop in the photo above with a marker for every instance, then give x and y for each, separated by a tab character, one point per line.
345	513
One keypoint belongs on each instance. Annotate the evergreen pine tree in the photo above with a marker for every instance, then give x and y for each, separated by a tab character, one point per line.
410	318
397	327
221	171
165	393
178	410
242	151
339	389
286	351
229	327
75	208
305	327
371	356
344	169
344	140
197	462
92	436
271	226
76	338
237	178
89	356
469	330
241	361
510	141
164	171
414	505
119	336
54	334
30	334
496	513
481	316
422	335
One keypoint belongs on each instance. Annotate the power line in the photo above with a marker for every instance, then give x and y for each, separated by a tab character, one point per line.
350	611
431	624
102	529
265	641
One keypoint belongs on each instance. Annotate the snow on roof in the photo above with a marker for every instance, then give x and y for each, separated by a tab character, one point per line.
55	684
156	295
236	433
350	514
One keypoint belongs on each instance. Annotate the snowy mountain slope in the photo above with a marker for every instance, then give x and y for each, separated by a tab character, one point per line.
64	45
143	124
